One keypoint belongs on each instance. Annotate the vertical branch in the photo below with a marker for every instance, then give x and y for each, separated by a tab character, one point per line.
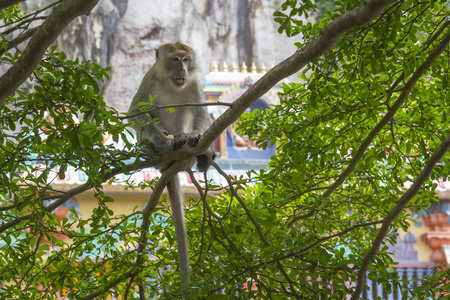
242	203
216	217
393	214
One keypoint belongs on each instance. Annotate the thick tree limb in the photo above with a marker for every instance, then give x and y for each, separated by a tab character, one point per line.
52	27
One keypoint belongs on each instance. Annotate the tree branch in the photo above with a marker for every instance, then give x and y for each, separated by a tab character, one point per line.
52	27
156	107
111	284
386	118
414	189
212	214
390	217
21	38
64	197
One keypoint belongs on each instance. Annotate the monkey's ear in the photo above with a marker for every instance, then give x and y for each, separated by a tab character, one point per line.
157	53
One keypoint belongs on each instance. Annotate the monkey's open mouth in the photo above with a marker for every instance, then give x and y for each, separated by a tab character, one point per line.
180	81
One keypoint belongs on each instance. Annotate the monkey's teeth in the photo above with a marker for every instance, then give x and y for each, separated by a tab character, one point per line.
180	81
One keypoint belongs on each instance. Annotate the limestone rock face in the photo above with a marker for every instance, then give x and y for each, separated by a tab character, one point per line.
123	34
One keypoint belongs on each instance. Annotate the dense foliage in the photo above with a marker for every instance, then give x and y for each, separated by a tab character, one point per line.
365	119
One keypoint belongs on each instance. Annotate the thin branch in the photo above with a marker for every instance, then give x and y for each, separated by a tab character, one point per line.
389	115
444	25
111	284
212	214
20	39
329	237
414	189
64	197
156	107
203	199
127	289
291	284
302	217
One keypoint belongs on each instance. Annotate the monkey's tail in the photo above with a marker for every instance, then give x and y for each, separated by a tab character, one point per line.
177	203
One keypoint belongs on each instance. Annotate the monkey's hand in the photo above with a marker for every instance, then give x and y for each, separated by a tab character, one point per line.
193	138
179	140
158	140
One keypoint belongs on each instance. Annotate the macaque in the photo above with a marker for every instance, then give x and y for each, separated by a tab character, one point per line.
173	79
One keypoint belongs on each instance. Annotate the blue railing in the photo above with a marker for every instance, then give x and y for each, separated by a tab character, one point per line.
399	290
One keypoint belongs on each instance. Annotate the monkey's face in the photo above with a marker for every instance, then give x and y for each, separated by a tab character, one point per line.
179	64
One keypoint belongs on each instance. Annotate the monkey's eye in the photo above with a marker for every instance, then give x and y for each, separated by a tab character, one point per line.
185	58
175	58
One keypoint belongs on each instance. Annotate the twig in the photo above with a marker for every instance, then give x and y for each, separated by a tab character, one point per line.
156	107
215	216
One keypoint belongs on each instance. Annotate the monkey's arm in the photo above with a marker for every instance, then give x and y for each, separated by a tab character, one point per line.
148	132
202	120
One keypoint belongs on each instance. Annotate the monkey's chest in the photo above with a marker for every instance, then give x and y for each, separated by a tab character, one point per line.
181	120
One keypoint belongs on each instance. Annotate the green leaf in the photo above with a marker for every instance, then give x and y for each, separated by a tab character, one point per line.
91	82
